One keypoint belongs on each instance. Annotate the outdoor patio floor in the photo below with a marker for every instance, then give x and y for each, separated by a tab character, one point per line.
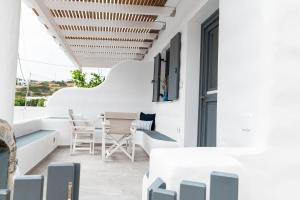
116	179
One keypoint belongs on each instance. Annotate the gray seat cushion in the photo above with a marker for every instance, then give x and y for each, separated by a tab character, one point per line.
157	135
4	157
29	138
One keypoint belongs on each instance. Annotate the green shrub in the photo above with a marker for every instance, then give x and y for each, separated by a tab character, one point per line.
79	78
33	102
41	102
20	101
96	80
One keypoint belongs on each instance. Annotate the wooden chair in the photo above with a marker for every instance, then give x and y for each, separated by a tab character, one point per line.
82	133
118	129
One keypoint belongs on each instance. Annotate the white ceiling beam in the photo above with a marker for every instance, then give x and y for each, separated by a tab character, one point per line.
109	43
100	62
104	61
99	65
110	49
84	59
109	56
112	8
110	23
173	3
121	35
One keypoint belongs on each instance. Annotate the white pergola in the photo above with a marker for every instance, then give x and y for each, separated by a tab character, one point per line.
102	33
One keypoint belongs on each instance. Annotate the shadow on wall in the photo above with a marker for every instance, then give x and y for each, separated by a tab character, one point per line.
127	88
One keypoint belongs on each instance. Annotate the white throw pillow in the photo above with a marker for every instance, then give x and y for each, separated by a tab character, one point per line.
143	125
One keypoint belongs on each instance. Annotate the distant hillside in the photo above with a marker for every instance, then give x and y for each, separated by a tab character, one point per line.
37	89
42	88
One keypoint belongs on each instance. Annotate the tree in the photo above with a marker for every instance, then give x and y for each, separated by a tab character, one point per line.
79	79
96	80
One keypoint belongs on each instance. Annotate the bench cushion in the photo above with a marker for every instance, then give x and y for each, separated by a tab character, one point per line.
29	138
157	135
34	147
4	157
148	117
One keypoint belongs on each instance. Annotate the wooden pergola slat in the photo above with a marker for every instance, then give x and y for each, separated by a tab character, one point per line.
111	8
109	55
110	23
123	35
109	49
110	43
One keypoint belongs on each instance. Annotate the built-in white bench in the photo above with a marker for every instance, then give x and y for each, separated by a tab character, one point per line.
35	140
33	144
150	140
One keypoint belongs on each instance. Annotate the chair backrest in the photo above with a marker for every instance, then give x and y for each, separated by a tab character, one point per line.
119	123
71	113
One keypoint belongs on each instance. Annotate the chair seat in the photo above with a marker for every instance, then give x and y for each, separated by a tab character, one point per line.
84	129
83	140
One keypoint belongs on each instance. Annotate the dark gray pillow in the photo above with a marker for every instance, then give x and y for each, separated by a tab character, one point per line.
148	117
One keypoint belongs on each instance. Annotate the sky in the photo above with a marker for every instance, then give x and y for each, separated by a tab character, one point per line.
40	56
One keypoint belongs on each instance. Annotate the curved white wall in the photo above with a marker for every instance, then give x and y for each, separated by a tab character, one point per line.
127	88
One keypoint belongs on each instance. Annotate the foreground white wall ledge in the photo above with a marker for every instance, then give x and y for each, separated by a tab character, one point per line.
261	174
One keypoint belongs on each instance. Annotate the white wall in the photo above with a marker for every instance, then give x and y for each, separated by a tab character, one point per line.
258	90
27	127
179	119
259	60
127	88
242	98
9	38
258	105
240	68
193	71
281	48
22	113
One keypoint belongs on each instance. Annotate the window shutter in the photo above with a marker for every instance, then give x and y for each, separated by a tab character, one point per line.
174	70
156	78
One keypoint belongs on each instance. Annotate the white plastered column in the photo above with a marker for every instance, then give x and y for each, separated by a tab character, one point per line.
9	37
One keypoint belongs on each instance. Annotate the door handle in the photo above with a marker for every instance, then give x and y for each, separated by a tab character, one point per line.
70	191
202	97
